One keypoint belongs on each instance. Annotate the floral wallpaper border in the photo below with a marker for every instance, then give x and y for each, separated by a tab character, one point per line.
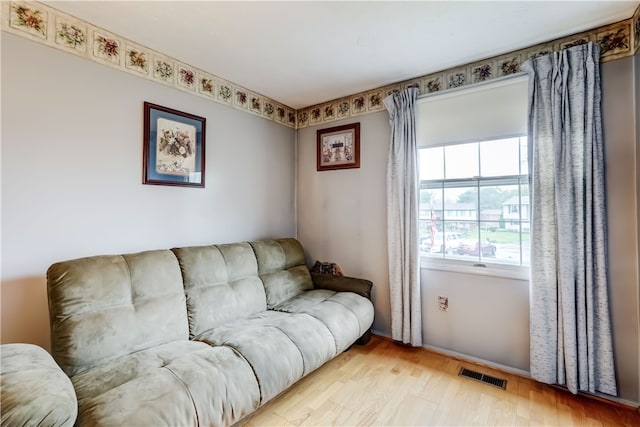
46	25
617	40
636	30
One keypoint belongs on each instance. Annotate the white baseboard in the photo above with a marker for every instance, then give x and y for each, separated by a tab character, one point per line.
499	366
508	369
463	356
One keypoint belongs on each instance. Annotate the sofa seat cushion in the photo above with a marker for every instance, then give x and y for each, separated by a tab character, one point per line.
280	347
347	315
34	390
181	383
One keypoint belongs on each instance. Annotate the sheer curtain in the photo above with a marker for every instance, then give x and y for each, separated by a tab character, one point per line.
402	219
570	323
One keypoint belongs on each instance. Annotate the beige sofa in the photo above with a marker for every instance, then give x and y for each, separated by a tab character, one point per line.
196	335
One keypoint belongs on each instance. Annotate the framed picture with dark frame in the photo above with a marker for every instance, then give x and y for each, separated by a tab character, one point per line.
173	147
338	147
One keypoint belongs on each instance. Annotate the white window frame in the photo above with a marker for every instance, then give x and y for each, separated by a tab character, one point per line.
480	265
493	131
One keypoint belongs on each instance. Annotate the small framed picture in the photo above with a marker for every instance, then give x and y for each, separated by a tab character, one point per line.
338	147
173	147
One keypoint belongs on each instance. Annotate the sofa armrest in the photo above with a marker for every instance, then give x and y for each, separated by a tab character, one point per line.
342	284
34	389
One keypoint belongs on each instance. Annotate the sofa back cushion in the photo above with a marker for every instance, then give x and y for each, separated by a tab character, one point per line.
104	307
221	284
282	269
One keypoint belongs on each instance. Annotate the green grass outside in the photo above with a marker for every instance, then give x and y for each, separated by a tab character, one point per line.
500	236
497	236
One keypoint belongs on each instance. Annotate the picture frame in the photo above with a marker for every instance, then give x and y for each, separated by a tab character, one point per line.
338	147
173	147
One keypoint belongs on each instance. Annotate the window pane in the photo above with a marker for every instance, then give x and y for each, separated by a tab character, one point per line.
526	243
524	201
430	203
498	243
430	207
460	204
455	234
466	245
495	201
474	218
461	161
431	163
489	230
433	240
500	157
524	156
430	198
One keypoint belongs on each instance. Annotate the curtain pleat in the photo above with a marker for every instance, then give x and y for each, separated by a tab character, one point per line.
402	219
571	340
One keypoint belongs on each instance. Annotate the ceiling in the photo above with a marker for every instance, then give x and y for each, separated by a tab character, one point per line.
307	52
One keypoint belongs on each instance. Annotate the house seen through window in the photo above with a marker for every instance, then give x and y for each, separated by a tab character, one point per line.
474	201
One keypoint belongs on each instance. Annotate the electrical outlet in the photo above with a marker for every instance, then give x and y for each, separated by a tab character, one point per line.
443	303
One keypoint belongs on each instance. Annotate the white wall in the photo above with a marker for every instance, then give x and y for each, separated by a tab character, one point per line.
72	175
342	213
619	123
637	120
342	218
487	318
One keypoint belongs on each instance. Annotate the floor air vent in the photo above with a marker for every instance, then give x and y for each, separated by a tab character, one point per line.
487	379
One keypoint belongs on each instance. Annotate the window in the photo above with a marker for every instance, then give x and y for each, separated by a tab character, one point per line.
474	178
473	199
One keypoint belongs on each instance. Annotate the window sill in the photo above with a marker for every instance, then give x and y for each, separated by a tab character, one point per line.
495	270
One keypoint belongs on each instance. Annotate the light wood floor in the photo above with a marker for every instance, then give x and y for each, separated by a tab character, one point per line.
383	383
